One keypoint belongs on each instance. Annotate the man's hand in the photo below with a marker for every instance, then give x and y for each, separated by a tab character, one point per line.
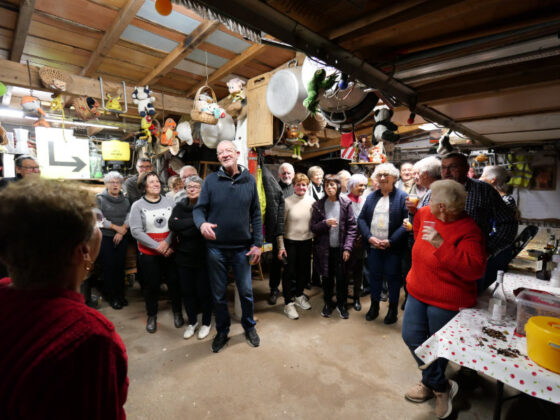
255	253
332	222
117	238
345	256
207	230
410	206
162	247
282	253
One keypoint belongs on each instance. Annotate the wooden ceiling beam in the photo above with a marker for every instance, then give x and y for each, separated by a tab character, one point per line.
193	40
243	58
112	36
26	9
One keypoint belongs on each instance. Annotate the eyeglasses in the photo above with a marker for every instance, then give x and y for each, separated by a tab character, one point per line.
31	168
451	167
194	187
385	175
114	182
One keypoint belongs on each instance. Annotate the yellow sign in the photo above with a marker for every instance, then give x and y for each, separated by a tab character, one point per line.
115	150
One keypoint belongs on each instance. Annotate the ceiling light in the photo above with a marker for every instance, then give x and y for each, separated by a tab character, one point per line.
429	127
77	123
11	113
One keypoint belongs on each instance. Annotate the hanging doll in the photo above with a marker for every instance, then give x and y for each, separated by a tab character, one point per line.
238	95
296	139
363	148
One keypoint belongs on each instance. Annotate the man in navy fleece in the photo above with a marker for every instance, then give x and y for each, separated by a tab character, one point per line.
229	217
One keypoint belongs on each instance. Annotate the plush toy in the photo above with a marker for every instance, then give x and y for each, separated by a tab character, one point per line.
376	154
145	126
57	104
3	136
184	132
296	139
363	148
383	129
312	140
113	103
238	95
318	84
32	105
215	110
168	133
444	145
141	97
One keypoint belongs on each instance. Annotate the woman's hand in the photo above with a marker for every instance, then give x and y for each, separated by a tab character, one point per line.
345	256
162	247
168	252
373	241
282	253
332	222
431	235
119	229
384	244
410	206
117	238
407	225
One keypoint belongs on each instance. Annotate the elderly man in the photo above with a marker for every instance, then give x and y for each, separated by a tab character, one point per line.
285	177
185	172
25	166
407	177
130	186
228	215
344	177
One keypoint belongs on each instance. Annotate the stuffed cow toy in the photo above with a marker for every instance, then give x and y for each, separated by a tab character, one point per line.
141	97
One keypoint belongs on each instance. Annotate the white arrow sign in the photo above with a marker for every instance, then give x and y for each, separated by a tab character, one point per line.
61	155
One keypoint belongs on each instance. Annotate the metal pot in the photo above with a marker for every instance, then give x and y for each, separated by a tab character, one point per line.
353	116
285	94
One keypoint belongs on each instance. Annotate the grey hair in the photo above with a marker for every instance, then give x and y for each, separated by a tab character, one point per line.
226	141
356	179
450	193
313	170
499	173
344	172
286	165
193	178
113	175
430	165
188	167
388	168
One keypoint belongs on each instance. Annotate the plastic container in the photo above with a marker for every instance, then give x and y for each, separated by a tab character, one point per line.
534	303
543	342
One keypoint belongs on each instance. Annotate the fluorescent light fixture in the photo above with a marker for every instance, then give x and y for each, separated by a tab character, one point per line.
429	127
77	123
11	113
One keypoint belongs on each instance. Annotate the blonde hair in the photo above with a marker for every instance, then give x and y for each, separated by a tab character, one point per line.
299	177
450	193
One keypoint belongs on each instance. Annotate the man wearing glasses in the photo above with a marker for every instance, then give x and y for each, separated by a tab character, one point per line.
25	166
228	215
130	186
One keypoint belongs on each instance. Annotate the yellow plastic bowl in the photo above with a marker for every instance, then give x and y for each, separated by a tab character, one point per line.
543	341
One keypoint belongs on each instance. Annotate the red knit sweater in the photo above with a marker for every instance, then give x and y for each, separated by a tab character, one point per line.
59	359
446	277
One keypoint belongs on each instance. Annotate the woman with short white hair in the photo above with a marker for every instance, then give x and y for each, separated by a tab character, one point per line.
498	177
316	174
115	208
380	224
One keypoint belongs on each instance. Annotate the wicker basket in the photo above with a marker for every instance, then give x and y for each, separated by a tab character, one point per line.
197	114
314	123
55	79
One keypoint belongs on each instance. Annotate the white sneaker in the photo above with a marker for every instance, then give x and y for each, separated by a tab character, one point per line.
189	332
203	332
290	311
302	302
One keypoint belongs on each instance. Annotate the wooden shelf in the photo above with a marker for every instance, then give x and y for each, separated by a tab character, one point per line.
363	163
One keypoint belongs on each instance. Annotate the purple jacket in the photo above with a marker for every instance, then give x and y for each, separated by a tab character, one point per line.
348	231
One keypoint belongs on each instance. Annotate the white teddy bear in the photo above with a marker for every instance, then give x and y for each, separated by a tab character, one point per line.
141	97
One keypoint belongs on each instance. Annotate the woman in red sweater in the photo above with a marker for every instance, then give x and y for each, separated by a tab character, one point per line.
447	258
59	358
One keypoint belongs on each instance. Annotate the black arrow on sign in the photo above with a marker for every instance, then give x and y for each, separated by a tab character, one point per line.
78	163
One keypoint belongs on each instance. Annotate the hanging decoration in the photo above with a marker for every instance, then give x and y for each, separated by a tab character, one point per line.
164	7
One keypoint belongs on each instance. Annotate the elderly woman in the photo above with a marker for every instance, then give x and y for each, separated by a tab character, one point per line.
447	259
176	185
380	224
315	190
59	359
498	177
115	207
334	226
149	217
294	247
191	261
357	184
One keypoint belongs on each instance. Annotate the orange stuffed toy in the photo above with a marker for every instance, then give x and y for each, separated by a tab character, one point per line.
168	133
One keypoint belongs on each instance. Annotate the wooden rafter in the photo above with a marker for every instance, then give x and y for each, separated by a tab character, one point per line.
112	36
229	67
26	9
195	38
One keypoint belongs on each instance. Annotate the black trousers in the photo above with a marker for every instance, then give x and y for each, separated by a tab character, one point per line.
275	269
153	267
195	290
354	269
335	274
298	268
112	258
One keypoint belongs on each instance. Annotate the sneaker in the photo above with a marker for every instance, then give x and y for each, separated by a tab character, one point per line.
219	342
326	311
189	332
290	311
203	332
342	312
444	400
273	297
302	302
419	393
252	337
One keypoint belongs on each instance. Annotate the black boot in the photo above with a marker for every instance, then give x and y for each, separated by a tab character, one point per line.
373	311
178	319
151	325
391	316
357	305
404	301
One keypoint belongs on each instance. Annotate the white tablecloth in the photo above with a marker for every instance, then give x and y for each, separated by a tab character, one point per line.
462	341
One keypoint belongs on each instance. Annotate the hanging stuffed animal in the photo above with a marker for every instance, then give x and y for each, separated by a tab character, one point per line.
57	104
316	86
238	95
296	139
376	155
363	148
184	132
215	110
32	105
141	97
86	108
113	103
145	126
383	129
168	133
444	145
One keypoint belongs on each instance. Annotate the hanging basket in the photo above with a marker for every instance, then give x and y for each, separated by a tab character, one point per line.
54	79
198	105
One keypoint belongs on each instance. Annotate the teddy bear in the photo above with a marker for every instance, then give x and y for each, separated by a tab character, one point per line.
141	97
383	129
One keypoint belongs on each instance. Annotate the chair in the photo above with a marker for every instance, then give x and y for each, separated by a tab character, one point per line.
523	239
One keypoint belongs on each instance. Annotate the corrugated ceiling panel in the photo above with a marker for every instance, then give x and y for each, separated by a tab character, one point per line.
175	20
204	57
528	136
227	41
140	36
512	124
193	67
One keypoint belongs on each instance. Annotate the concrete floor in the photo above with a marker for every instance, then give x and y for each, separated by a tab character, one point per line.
311	368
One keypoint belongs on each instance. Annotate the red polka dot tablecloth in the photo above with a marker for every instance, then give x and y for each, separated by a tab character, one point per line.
514	281
462	341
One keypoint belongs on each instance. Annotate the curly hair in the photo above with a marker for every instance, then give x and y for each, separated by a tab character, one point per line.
42	223
299	177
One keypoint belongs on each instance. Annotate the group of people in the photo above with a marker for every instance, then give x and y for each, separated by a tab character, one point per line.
430	223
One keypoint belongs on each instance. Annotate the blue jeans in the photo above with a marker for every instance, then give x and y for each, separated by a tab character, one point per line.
419	323
381	263
219	260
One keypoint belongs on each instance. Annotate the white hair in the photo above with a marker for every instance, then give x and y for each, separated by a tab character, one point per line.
356	179
226	141
313	170
184	168
386	168
430	165
113	175
450	193
286	165
499	173
344	173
